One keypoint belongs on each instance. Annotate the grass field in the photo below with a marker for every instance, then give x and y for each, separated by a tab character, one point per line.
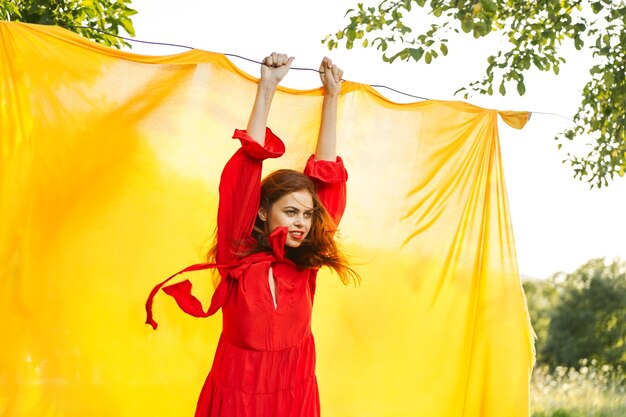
591	391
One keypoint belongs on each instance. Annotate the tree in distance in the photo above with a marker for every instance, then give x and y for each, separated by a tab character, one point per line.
589	320
585	318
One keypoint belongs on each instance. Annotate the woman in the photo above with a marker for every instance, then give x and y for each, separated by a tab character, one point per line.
272	237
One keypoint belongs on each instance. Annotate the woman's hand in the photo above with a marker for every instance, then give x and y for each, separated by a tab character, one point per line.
275	66
330	74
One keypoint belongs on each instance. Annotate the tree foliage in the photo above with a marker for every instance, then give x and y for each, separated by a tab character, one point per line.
533	32
542	297
585	319
106	15
590	318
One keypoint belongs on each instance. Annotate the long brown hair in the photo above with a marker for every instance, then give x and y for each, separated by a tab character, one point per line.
319	248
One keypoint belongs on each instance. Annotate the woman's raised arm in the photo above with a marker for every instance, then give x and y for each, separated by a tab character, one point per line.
273	70
330	74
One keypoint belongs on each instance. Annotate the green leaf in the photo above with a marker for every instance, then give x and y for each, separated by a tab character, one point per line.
127	24
12	8
596	7
489	6
466	24
444	49
383	45
521	88
502	89
416	54
578	43
428	58
480	29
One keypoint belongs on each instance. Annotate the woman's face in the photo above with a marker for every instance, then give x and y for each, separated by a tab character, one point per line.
294	211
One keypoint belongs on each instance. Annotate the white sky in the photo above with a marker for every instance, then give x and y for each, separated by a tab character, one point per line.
558	222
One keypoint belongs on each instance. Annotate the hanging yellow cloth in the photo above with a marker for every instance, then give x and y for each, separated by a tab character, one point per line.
109	164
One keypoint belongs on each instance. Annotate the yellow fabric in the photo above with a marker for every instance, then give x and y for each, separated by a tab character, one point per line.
109	166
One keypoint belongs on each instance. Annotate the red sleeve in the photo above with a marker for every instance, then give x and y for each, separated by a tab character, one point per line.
240	190
330	182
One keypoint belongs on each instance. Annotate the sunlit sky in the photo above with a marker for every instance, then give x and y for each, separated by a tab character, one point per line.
558	222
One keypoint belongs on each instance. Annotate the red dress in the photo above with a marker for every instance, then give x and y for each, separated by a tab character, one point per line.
264	365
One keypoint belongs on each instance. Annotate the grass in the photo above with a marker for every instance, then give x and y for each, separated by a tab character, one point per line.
590	391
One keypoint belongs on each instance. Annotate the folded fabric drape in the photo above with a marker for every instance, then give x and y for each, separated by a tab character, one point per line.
109	165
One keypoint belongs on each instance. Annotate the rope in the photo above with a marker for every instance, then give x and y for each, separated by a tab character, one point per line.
292	68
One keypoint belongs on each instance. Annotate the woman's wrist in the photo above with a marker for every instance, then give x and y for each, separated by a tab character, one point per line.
268	84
